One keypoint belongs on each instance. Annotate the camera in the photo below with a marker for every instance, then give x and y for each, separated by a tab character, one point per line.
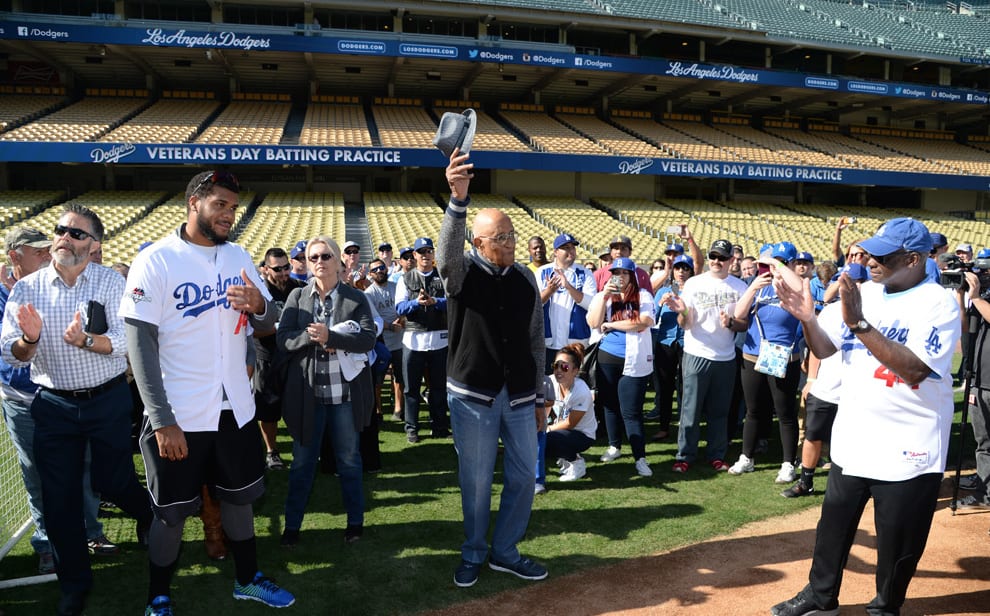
953	277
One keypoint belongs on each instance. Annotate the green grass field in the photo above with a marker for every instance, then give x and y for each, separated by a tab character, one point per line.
404	564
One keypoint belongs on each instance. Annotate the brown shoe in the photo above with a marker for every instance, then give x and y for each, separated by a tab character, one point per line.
212	527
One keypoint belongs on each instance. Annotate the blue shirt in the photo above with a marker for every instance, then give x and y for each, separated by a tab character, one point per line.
778	325
668	331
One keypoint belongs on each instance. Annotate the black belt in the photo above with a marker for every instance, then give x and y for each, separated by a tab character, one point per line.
87	394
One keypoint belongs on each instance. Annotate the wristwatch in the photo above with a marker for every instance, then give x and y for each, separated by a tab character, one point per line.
860	327
88	342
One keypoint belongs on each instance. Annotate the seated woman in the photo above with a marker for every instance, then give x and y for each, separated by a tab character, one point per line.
572	422
327	328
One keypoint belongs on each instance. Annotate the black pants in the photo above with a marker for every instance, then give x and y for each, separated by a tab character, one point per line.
903	516
759	389
666	370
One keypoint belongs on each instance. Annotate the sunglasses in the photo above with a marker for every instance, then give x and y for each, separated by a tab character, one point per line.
563	366
225	179
380	268
425	251
352	251
280	268
406	257
323	256
715	257
74	233
889	257
501	238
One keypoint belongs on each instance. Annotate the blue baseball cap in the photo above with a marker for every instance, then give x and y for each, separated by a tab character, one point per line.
938	240
679	249
421	243
900	233
783	251
564	238
298	249
856	271
623	263
683	260
983	254
404	251
804	256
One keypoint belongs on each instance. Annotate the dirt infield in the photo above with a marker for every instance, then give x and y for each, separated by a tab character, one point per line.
759	565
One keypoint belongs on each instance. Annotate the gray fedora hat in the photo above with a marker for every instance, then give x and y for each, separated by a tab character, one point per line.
456	130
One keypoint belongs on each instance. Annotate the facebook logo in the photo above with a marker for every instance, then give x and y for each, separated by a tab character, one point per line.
22	31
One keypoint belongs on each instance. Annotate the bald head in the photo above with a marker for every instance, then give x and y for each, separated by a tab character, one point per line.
494	237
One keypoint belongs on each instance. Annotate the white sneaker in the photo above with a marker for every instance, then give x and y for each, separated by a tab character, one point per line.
643	468
786	473
562	465
611	453
575	470
742	465
538	489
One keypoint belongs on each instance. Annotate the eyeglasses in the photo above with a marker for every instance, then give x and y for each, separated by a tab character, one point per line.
714	257
352	251
406	257
883	260
321	256
225	179
425	251
563	366
501	238
74	233
280	268
380	268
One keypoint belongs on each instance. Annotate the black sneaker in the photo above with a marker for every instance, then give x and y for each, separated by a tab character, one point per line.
290	537
412	437
466	574
802	605
798	489
970	483
101	546
523	568
353	533
274	462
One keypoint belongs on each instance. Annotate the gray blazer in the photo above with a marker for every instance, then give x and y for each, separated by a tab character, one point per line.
298	397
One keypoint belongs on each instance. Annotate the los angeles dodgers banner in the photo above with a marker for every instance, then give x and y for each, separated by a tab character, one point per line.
206	154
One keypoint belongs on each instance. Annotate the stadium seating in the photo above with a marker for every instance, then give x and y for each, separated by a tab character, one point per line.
677	143
401	218
16	206
284	218
548	135
249	122
167	121
16	109
610	137
404	126
85	120
489	135
335	124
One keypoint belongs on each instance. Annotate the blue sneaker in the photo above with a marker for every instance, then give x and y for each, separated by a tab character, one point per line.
265	590
523	568
160	606
466	574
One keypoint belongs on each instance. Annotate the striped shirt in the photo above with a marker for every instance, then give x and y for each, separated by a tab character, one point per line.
329	384
57	364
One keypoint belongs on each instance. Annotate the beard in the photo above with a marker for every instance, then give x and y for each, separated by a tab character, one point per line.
207	230
73	259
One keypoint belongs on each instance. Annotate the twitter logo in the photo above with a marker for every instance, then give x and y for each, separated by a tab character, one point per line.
473	53
897	90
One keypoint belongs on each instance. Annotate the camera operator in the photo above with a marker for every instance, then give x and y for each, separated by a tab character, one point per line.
979	400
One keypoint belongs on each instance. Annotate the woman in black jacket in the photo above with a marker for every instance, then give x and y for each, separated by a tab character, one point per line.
326	331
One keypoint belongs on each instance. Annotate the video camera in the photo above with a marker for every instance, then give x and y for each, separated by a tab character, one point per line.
952	277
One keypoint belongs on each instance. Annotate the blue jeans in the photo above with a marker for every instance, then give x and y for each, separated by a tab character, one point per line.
623	397
63	430
477	429
707	388
20	425
338	420
414	363
541	457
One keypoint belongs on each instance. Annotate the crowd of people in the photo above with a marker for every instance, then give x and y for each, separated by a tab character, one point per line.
548	358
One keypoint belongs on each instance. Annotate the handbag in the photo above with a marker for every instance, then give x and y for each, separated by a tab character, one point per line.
773	357
589	365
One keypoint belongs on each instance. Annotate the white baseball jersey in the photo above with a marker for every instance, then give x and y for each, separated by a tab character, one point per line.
884	428
202	340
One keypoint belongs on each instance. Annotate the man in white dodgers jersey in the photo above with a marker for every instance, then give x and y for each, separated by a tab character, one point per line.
896	335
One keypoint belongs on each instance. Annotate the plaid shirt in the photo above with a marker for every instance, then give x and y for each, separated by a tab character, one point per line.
330	386
56	364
